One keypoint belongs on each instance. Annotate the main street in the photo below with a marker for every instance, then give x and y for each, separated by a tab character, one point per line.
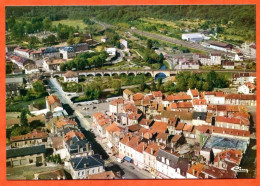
129	170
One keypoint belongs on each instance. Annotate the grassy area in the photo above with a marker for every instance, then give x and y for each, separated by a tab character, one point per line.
15	107
12	115
73	23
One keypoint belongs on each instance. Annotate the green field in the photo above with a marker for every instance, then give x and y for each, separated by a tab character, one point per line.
74	23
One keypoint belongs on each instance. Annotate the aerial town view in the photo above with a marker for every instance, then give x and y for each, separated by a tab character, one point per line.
130	92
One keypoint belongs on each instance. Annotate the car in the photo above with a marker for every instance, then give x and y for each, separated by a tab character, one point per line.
68	94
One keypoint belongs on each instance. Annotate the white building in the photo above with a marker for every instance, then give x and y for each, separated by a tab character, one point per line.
23	52
247	88
82	167
67	52
219	46
193	37
123	43
52	65
111	51
170	166
71	76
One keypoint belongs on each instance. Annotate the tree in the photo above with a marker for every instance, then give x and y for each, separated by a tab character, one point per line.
8	68
149	44
159	84
116	84
70	40
161	58
153	86
47	23
23	118
38	87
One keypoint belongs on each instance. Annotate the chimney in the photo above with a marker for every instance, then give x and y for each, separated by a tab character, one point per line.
152	151
142	135
70	142
78	148
171	151
143	148
101	157
73	164
85	165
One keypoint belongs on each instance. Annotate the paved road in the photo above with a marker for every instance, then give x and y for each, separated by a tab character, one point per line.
64	99
130	171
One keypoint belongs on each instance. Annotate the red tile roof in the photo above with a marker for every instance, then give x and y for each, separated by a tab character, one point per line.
194	92
72	134
240	121
152	149
180	126
157	94
102	176
64	121
141	147
53	99
195	170
159	126
117	101
199	102
113	128
232	155
134	116
138	96
35	134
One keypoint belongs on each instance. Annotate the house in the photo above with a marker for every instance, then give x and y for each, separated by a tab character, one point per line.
53	103
195	170
194	93
211	172
67	52
241	99
10	48
23	52
228	64
107	175
185	64
116	106
123	44
77	146
177	139
51	64
181	106
138	156
222	159
58	145
13	86
128	95
171	125
239	57
145	123
159	127
243	77
50	52
219	98
170	166
57	174
23	63
82	167
219	46
63	123
162	138
209	60
71	76
185	117
25	156
247	88
134	118
114	134
179	128
233	123
199	118
138	96
193	37
36	137
36	55
111	51
199	105
157	96
127	145
101	122
150	154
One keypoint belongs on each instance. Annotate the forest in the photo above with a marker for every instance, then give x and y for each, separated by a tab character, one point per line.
240	17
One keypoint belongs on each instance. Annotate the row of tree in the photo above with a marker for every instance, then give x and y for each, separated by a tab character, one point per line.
85	60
